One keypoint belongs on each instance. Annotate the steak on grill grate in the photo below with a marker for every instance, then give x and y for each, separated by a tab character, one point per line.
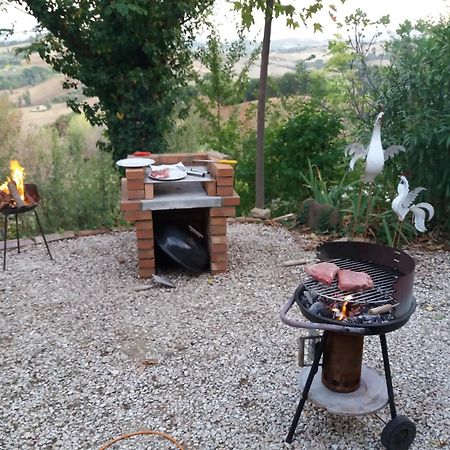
323	272
349	280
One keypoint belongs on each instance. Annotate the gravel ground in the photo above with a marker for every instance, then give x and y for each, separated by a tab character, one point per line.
86	357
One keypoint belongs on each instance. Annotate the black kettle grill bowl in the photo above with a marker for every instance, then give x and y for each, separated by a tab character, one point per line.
394	268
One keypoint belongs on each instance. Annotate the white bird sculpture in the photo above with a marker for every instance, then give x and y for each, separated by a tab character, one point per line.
374	154
375	157
402	205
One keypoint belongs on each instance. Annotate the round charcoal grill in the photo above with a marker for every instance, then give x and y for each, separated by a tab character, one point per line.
383	292
347	387
392	272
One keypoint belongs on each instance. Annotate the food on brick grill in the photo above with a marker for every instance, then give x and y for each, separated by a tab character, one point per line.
349	280
323	272
160	173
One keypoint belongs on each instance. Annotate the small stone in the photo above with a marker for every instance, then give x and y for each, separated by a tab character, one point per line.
259	213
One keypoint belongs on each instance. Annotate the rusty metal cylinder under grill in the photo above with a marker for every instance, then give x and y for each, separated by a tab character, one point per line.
342	362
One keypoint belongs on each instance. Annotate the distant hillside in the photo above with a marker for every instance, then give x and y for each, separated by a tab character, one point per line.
293	44
284	57
42	93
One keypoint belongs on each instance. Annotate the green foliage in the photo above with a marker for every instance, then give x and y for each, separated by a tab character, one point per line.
311	134
9	58
26	97
294	136
79	186
188	135
414	92
322	191
133	55
79	191
293	16
9	133
222	87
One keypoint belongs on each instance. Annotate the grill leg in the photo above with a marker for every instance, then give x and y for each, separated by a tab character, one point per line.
17	234
311	375
387	373
5	238
42	233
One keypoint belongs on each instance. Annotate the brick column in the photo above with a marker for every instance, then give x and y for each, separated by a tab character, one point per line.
145	246
217	239
133	191
217	220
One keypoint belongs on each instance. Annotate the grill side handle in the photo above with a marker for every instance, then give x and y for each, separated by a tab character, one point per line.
314	325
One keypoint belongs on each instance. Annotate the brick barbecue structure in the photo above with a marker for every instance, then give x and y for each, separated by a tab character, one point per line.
205	202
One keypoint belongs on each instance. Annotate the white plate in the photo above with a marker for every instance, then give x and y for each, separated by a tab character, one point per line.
174	174
135	162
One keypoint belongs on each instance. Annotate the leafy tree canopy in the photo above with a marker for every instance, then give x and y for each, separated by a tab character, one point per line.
133	55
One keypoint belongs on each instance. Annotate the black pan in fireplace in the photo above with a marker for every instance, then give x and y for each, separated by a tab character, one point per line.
182	246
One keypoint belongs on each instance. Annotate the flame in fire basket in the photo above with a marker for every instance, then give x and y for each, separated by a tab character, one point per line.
17	173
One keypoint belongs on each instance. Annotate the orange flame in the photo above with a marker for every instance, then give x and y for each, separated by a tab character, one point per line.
346	309
17	173
342	312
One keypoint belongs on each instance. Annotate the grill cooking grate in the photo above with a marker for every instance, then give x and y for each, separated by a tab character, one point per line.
383	278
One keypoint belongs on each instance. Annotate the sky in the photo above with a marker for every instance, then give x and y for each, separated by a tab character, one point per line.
227	20
399	11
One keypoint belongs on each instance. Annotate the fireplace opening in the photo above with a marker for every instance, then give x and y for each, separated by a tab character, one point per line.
181	239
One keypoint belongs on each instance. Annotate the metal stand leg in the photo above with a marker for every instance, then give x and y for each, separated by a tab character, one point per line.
17	234
311	375
5	238
387	373
42	233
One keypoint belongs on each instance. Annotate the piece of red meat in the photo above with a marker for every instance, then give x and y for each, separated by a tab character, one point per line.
349	280
160	173
323	272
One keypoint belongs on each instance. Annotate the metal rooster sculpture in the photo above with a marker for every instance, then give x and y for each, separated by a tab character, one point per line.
374	154
375	157
403	204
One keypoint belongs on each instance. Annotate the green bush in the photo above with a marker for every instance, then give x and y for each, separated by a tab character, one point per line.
294	134
415	89
80	190
9	59
311	134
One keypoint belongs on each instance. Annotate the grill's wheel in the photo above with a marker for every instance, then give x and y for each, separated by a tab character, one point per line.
398	434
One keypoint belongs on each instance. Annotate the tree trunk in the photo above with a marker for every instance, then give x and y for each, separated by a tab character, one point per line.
259	182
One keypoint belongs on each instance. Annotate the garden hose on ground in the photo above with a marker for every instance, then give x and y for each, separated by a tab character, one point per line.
137	433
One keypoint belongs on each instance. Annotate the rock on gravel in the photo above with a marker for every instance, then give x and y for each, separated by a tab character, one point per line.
85	357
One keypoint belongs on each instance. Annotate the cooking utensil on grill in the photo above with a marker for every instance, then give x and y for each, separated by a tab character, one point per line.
232	162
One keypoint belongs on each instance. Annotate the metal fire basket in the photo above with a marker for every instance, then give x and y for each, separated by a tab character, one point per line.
345	386
32	192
